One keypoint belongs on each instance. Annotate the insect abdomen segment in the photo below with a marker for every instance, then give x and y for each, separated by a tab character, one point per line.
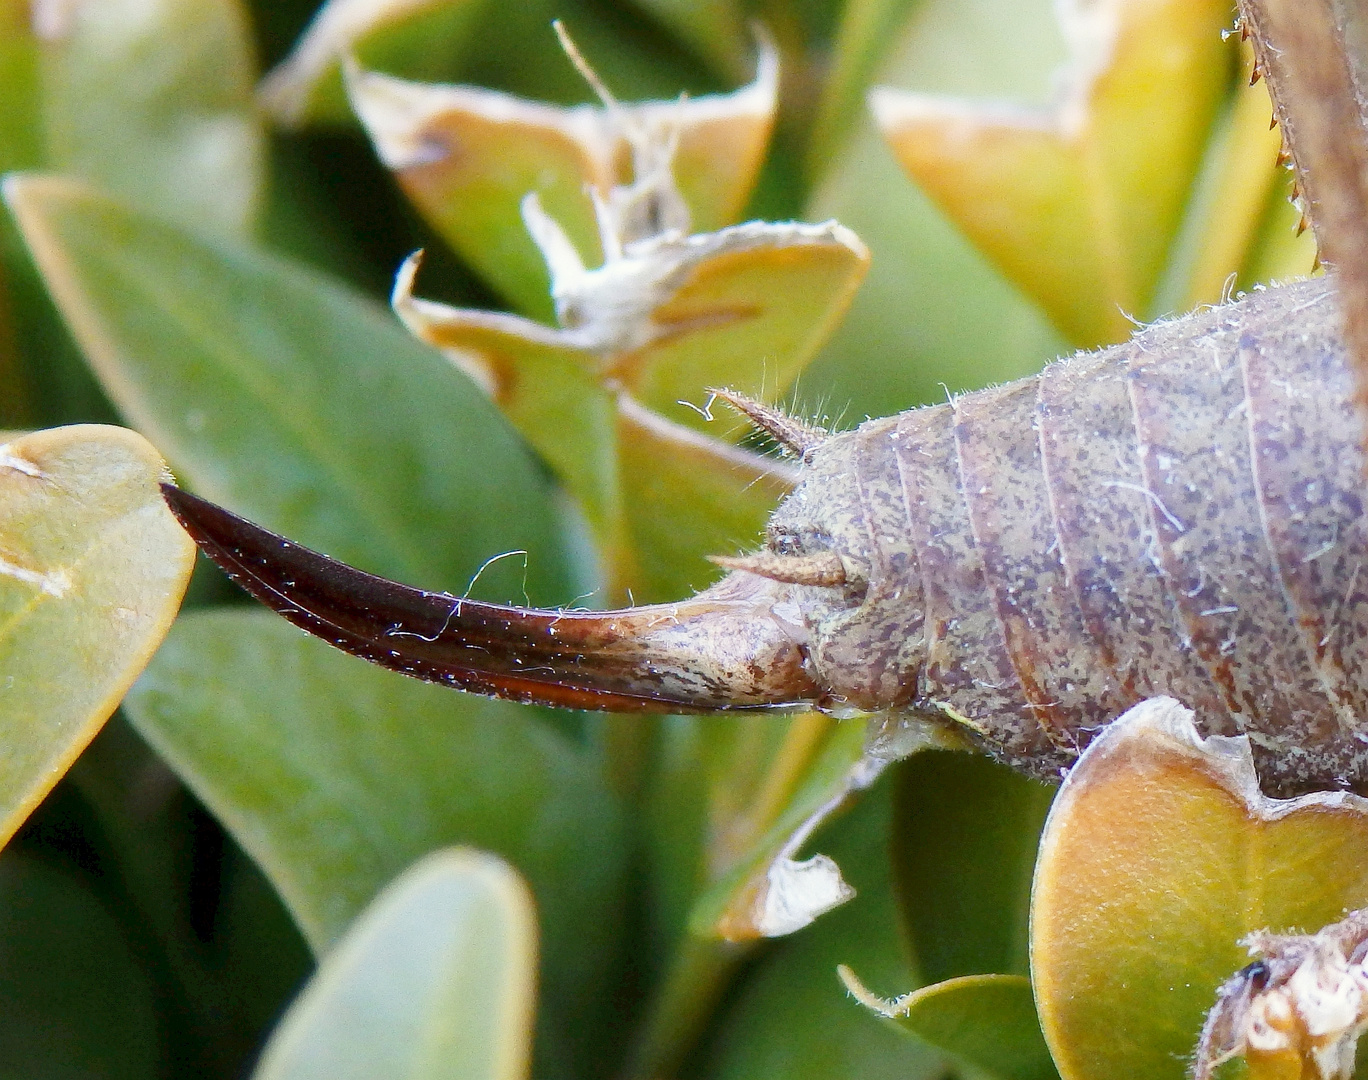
1179	514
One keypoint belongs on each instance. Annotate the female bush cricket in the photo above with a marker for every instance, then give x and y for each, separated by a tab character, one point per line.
1178	514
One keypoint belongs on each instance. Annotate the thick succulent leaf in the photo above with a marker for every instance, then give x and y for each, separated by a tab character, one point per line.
987	1021
154	102
467	157
1079	204
417	38
334	775
964	843
789	1017
1159	855
92	570
933	312
77	998
292	399
436	978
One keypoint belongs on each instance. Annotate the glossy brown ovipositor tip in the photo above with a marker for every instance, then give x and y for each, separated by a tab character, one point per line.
726	648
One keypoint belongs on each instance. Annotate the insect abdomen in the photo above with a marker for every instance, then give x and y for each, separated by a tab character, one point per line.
1179	514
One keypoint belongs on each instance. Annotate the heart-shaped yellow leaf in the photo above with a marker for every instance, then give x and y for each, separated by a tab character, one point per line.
1160	854
92	570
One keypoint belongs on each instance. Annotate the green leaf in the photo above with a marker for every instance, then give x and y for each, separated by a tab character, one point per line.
334	775
436	978
154	103
964	843
765	891
92	570
293	400
986	1021
1159	855
155	846
75	997
789	1017
420	39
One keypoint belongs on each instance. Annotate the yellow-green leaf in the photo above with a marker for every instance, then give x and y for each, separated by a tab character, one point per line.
436	979
1079	203
92	570
1159	855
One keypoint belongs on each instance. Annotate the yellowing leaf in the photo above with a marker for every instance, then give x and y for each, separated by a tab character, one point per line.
467	157
435	979
1160	854
92	570
751	316
1078	204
